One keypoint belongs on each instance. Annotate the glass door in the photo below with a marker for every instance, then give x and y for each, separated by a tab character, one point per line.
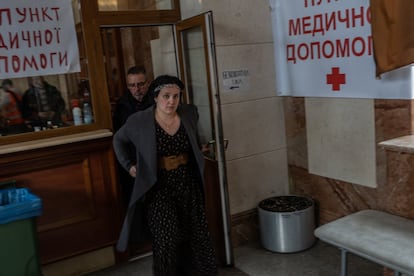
197	64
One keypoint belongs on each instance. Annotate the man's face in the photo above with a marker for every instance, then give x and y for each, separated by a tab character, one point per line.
137	86
37	82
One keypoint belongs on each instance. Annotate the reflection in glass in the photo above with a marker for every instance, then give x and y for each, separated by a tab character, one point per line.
197	79
43	102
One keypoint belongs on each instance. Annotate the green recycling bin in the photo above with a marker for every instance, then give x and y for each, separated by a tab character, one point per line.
18	243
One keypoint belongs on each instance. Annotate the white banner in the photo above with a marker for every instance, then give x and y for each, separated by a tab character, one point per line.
37	38
323	48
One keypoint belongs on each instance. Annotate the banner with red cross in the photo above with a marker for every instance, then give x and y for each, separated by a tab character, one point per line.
323	48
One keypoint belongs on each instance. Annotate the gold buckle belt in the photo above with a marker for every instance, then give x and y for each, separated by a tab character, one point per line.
172	162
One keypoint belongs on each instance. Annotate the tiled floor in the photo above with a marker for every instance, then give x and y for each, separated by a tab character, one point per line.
251	259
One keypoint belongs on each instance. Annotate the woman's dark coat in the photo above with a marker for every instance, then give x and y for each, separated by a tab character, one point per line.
140	131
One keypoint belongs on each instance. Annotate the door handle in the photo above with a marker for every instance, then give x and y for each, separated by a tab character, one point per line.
226	143
213	142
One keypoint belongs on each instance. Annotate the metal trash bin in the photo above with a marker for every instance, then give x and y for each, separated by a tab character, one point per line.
19	250
286	223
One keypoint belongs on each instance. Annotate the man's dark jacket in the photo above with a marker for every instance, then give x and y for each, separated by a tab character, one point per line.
128	105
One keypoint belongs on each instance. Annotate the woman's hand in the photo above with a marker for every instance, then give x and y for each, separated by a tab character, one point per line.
133	171
205	149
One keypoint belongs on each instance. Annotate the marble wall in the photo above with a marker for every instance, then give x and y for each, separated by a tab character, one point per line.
341	139
268	149
335	198
253	117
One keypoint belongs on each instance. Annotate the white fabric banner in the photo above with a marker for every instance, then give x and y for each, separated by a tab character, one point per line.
323	48
37	38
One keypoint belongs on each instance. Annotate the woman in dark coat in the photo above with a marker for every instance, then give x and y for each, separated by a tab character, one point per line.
169	187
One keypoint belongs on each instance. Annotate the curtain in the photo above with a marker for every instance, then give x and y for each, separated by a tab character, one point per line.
392	33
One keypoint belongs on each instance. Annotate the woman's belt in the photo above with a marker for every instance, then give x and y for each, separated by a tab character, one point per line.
173	161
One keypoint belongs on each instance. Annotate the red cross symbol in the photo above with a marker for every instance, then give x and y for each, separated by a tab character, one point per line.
335	79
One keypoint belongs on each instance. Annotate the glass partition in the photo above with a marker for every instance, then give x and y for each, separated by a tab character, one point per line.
46	102
197	79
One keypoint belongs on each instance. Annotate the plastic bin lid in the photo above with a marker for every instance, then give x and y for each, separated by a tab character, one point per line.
18	204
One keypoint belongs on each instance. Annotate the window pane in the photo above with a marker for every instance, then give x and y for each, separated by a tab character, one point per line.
47	102
44	102
130	5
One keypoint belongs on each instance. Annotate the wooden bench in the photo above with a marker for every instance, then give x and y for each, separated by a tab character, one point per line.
374	235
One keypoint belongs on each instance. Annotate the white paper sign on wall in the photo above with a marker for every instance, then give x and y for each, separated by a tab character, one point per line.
236	80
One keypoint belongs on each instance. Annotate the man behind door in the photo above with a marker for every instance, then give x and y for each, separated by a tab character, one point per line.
134	99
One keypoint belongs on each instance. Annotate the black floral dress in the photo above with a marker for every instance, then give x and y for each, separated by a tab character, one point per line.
176	215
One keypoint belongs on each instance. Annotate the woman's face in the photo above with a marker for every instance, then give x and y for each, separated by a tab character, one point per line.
168	99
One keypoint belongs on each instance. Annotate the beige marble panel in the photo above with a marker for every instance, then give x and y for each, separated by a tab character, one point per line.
258	60
253	127
235	21
255	178
341	139
191	8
